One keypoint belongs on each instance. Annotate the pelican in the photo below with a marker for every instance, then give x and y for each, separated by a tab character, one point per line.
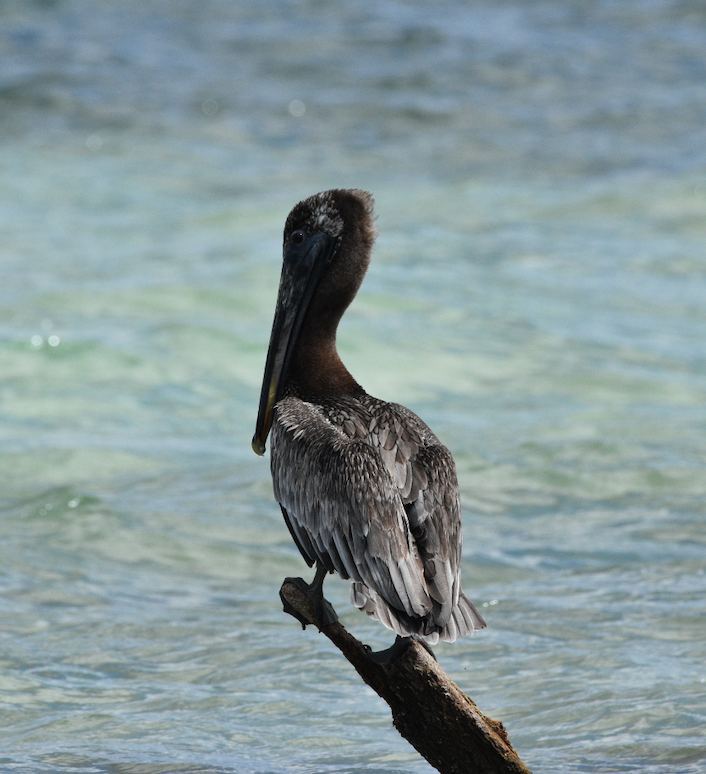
366	488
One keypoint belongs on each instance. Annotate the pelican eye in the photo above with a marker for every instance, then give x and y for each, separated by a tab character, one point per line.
297	237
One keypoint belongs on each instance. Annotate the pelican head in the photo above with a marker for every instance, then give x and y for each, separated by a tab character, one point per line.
327	243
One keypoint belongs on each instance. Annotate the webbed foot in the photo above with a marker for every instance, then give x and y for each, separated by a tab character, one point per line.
398	649
324	613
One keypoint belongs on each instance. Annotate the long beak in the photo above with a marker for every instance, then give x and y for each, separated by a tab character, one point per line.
301	271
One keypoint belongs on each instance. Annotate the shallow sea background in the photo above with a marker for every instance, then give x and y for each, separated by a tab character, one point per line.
537	295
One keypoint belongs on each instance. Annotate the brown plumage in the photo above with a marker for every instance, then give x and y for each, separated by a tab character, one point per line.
366	488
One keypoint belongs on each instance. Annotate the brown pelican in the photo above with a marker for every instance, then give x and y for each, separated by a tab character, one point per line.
365	487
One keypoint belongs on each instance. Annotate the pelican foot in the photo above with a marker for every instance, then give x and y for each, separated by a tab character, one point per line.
324	613
397	650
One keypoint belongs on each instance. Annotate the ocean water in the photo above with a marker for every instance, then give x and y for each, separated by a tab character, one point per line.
537	294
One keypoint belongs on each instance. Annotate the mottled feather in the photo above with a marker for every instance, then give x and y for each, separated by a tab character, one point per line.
369	491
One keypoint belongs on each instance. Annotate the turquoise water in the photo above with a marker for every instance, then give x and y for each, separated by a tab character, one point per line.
536	295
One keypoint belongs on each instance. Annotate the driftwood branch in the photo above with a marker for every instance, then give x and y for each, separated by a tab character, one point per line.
428	709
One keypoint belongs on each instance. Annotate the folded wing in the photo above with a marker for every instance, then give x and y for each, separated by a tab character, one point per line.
372	494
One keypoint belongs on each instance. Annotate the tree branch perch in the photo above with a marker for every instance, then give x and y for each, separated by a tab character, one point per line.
428	709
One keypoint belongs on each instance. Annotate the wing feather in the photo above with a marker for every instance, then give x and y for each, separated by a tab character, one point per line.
425	475
369	491
336	491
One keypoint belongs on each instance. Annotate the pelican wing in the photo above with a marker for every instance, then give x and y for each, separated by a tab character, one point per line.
343	505
425	476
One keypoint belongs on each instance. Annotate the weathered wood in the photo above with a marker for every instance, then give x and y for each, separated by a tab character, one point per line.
428	709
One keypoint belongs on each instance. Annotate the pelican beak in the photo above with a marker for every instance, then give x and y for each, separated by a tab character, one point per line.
303	265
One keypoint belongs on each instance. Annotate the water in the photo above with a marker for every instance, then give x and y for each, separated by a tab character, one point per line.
536	294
